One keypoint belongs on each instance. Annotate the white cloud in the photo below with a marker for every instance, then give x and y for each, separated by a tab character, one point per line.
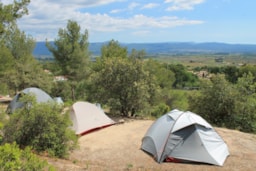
80	3
46	17
150	5
141	32
133	5
177	5
104	23
114	11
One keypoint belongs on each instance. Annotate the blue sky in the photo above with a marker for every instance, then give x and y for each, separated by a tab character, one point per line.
228	21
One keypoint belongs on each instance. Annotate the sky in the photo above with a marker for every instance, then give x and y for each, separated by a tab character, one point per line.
144	21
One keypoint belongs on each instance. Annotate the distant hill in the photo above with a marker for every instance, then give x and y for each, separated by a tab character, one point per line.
170	48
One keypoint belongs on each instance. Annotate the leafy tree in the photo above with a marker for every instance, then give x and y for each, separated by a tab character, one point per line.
183	78
25	70
11	12
19	43
245	103
6	64
159	110
41	127
231	73
113	50
70	50
6	60
163	75
216	102
177	99
137	54
61	89
246	70
123	85
8	16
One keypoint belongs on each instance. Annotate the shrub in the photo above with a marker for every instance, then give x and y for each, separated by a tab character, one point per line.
160	109
42	127
13	158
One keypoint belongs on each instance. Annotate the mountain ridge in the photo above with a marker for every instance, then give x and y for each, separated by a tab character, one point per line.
167	48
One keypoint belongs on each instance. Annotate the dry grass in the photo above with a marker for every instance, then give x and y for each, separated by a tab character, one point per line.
118	148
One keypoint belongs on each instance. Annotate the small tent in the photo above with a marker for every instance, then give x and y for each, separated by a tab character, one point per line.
87	117
184	136
40	95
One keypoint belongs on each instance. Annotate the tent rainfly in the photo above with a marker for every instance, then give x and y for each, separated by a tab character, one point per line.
41	97
87	117
184	137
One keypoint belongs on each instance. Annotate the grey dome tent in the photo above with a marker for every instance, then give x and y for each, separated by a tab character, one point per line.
41	96
87	117
184	136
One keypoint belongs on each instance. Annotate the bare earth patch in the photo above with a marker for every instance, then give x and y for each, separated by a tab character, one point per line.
118	148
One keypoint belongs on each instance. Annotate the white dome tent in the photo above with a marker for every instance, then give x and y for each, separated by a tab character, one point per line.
41	97
87	117
184	136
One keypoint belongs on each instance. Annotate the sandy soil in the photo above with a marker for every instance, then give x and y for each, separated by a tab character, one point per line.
118	148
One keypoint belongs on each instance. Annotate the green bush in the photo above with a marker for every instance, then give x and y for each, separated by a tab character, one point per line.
160	109
42	127
12	158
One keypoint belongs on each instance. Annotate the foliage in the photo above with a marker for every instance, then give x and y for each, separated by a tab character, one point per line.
246	69
137	54
70	50
3	120
177	99
7	63
123	85
165	77
42	127
121	82
6	60
246	103
216	102
160	110
183	78
23	70
231	73
11	12
13	158
61	89
113	50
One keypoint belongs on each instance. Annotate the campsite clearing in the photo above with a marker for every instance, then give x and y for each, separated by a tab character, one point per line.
118	148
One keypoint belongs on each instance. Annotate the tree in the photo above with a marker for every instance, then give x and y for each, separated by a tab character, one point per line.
183	78
121	82
231	73
123	85
164	76
245	103
25	71
70	50
8	16
11	12
113	50
6	64
216	101
246	69
42	127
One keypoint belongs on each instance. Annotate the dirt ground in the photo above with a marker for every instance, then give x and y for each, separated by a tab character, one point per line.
117	148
